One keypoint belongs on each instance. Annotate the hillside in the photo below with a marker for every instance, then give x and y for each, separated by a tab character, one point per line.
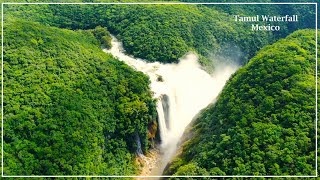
69	108
166	32
263	121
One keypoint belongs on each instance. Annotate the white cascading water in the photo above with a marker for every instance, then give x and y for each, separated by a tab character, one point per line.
182	90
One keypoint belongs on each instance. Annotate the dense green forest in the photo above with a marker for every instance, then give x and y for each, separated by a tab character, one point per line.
156	32
166	32
69	108
263	121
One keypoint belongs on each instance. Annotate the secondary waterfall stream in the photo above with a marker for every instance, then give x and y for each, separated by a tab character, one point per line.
182	90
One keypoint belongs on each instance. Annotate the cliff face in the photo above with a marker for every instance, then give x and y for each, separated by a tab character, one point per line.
153	133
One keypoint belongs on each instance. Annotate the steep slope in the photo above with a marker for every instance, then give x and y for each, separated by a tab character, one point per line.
69	108
147	33
157	32
263	122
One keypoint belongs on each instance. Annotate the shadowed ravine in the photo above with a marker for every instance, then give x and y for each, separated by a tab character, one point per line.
182	90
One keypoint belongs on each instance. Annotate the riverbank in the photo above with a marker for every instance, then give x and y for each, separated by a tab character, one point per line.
148	163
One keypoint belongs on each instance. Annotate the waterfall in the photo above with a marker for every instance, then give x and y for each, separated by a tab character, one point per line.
138	141
182	90
166	109
161	121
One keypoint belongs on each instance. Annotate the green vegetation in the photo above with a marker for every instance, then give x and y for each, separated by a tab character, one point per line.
69	108
103	35
263	121
305	12
166	32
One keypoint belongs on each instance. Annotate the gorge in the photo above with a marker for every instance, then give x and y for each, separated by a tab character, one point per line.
182	90
73	108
